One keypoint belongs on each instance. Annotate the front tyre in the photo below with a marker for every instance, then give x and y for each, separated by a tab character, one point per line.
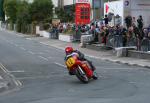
81	75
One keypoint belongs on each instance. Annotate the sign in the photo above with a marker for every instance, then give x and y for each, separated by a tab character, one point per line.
127	3
82	13
107	8
82	1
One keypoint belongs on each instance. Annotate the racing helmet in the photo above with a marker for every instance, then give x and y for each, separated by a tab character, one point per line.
68	50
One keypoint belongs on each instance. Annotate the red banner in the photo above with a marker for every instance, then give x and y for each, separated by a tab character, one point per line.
82	13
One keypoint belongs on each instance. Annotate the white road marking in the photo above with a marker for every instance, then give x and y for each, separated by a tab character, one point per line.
31	52
47	50
44	43
29	38
17	82
43	58
116	68
22	48
40	53
18	71
60	64
3	68
1	77
10	42
49	57
16	45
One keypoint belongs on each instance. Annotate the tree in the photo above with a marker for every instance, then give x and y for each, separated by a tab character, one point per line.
10	8
23	17
2	14
41	10
66	15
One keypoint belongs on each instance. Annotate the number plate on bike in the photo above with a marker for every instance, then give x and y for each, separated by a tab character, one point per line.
70	62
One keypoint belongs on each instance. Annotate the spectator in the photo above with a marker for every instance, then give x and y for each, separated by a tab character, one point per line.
140	22
149	35
117	37
124	36
106	20
128	21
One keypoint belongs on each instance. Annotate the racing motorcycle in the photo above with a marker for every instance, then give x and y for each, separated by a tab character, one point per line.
81	69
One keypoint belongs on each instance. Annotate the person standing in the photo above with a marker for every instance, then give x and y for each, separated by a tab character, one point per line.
106	20
128	21
140	26
140	22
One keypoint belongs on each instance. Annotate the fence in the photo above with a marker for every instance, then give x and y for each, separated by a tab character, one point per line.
118	41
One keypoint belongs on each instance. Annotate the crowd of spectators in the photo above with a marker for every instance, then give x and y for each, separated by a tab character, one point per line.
116	36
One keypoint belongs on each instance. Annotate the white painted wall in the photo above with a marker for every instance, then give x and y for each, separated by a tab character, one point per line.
135	8
66	38
68	2
115	7
141	7
42	33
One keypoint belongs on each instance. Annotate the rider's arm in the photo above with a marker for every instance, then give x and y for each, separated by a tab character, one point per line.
81	55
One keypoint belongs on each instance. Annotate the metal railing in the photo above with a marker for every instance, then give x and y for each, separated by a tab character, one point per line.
117	41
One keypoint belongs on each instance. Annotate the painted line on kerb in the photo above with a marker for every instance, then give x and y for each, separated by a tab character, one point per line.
59	64
43	58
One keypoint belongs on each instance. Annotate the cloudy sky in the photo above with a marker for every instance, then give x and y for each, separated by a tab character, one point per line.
66	2
55	2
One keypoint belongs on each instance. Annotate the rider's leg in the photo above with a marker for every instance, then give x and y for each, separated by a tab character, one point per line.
91	65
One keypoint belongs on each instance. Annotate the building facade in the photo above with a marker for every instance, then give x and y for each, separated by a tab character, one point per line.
60	3
97	7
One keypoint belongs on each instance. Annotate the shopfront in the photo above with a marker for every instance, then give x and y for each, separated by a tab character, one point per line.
83	12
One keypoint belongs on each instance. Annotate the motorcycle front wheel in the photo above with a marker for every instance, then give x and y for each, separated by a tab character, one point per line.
81	75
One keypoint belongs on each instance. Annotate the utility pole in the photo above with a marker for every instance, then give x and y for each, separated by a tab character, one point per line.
93	3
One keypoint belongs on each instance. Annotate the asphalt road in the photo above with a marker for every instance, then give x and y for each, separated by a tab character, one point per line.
43	78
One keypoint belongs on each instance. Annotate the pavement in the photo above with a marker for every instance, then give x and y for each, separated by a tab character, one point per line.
102	55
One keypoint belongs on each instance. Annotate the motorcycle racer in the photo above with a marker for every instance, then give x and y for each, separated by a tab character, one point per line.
69	50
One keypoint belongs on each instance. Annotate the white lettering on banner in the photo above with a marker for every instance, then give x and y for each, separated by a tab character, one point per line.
82	1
